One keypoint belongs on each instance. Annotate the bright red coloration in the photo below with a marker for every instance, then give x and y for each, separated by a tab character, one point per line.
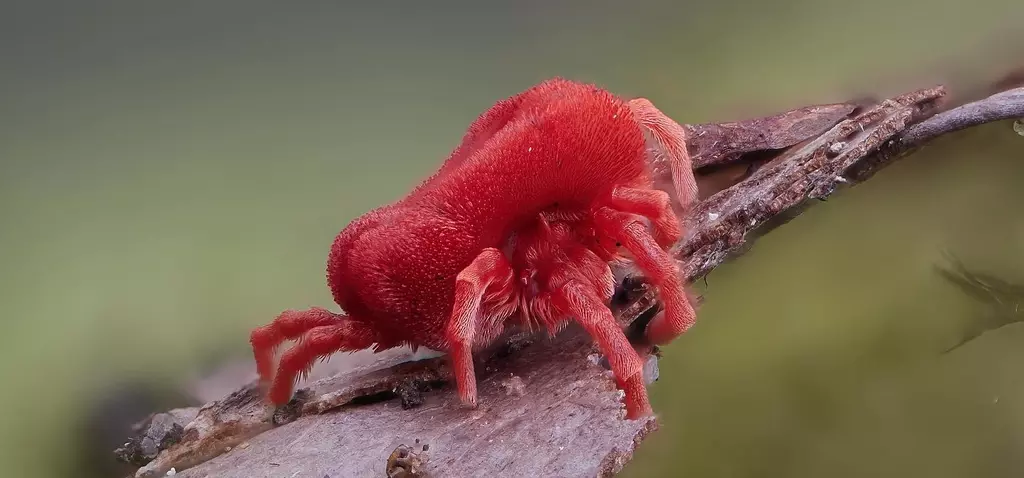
519	225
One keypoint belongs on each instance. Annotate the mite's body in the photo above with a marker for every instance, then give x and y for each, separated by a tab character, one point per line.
519	224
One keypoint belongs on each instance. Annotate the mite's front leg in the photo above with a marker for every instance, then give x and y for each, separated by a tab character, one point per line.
345	335
289	325
490	269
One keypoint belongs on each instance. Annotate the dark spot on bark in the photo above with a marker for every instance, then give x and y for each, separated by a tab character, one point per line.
172	437
636	332
411	394
513	345
290	411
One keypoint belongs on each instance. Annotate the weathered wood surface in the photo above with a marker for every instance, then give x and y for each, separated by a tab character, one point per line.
548	392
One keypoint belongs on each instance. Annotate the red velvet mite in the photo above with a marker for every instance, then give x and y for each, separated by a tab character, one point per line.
520	225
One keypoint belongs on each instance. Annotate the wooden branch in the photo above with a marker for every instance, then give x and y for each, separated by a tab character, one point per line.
998	107
548	407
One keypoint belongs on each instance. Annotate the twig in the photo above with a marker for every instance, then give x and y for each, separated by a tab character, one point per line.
998	107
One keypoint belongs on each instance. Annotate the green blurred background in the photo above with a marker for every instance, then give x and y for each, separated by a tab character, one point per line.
172	174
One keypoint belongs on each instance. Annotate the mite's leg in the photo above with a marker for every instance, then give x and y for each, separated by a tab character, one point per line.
659	268
288	326
577	300
344	335
653	204
672	138
489	271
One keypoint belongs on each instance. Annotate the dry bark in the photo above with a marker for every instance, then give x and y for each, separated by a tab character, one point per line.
549	408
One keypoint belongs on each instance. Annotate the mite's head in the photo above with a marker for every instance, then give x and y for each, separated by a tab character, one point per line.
349	257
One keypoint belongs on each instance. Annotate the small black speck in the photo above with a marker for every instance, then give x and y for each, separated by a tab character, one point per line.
417	441
426	447
618	244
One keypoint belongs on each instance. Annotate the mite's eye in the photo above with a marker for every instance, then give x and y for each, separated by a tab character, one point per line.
618	244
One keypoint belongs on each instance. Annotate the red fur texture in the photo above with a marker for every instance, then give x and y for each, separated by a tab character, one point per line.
518	225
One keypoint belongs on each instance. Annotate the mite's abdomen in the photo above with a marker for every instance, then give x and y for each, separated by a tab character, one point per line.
560	144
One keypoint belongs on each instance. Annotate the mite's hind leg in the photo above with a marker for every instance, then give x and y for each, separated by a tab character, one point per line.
317	343
659	268
581	302
489	273
289	325
672	139
653	204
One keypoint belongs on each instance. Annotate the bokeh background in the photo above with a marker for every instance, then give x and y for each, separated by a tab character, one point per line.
172	174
